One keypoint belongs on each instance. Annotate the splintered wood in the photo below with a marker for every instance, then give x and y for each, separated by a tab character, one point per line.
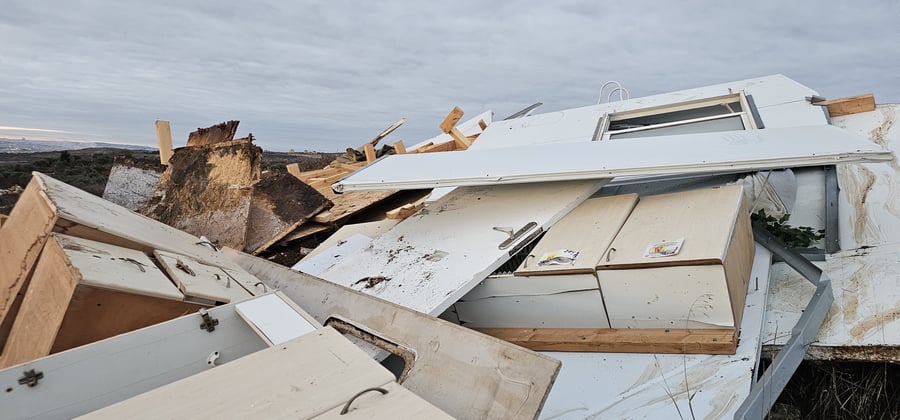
219	133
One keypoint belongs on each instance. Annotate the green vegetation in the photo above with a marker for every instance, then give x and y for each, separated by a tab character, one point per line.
794	237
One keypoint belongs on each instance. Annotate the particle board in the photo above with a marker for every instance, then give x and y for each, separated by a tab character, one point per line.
301	378
346	205
588	229
433	258
199	280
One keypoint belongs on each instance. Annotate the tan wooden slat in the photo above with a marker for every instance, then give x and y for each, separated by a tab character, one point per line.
164	141
849	105
706	341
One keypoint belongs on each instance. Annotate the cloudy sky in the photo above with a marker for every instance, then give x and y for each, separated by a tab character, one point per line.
330	75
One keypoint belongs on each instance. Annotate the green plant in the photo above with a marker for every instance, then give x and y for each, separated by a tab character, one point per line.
794	237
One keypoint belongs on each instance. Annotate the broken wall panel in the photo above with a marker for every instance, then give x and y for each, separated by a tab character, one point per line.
279	204
206	191
219	133
131	182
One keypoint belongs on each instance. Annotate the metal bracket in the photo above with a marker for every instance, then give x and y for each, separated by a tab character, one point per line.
513	235
209	323
31	377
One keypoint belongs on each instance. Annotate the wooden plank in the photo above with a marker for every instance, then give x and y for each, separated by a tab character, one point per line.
199	280
43	308
440	147
399	148
164	141
23	236
608	340
304	231
589	229
387	131
294	169
849	105
460	139
370	153
398	403
302	378
466	374
322	173
482	124
351	167
404	211
451	119
703	218
276	320
346	205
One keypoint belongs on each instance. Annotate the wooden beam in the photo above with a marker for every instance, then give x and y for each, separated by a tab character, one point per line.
451	119
674	341
448	146
849	105
399	148
404	211
370	152
294	169
461	140
164	141
387	131
482	124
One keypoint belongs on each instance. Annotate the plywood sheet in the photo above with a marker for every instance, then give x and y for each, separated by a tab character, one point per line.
346	205
677	154
704	219
433	258
588	229
112	267
196	279
466	374
276	320
302	378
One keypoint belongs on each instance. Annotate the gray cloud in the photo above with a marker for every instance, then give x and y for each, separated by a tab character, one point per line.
330	75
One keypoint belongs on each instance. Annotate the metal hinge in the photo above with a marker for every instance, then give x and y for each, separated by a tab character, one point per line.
209	323
513	234
31	377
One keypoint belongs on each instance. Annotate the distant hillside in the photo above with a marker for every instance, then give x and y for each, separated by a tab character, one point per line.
29	146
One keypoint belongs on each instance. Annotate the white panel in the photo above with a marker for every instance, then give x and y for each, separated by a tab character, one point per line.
196	279
694	153
434	257
370	229
274	318
86	378
869	204
578	124
793	114
617	385
327	258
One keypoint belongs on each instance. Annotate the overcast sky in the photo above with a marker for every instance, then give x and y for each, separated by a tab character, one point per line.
330	75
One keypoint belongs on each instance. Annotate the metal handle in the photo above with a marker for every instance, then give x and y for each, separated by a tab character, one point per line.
347	406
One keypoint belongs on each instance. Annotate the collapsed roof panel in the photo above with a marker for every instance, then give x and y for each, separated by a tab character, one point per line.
751	150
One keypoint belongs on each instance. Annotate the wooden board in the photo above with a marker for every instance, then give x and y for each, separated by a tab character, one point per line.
849	105
436	256
279	204
609	340
588	229
346	205
703	218
276	320
304	231
199	280
398	403
111	267
23	236
43	308
464	373
302	378
164	141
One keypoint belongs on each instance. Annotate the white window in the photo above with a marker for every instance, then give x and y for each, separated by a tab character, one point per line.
723	113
